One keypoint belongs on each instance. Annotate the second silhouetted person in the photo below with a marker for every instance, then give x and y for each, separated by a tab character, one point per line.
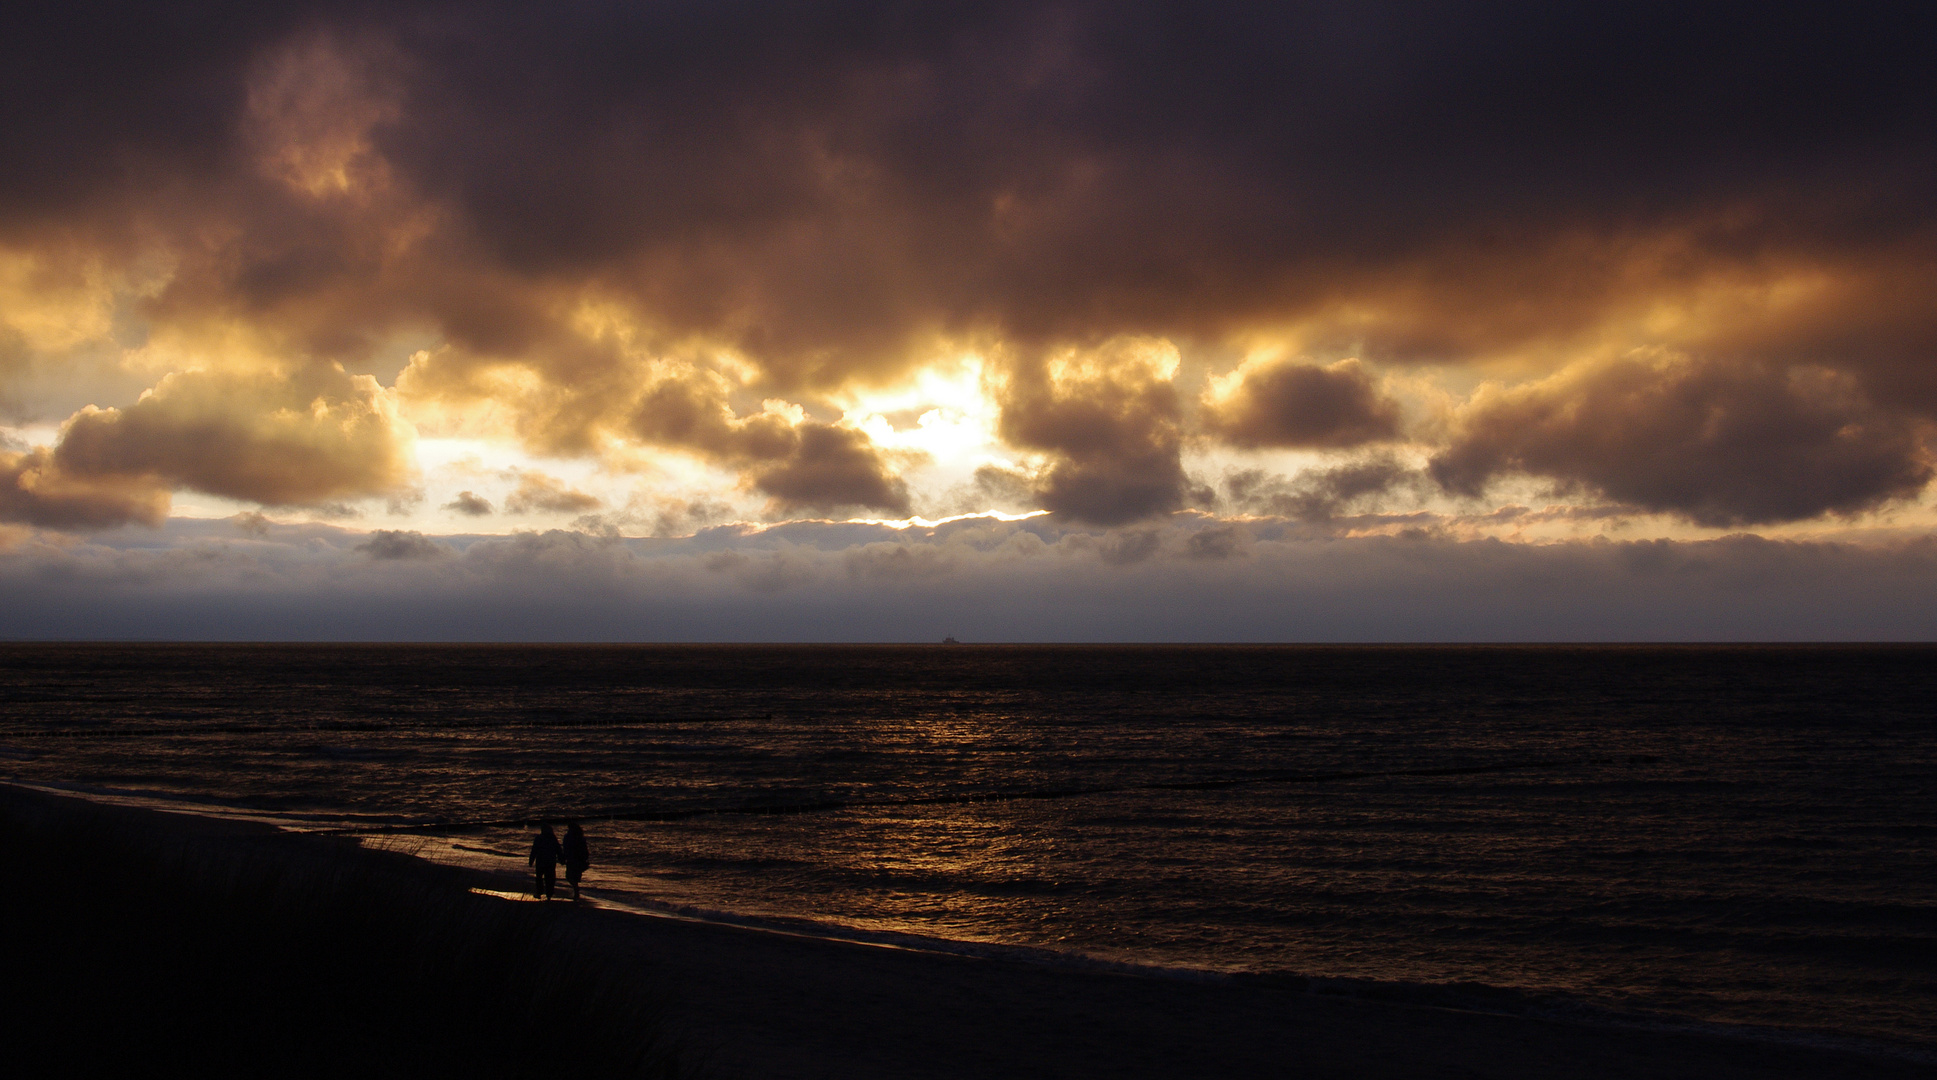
577	856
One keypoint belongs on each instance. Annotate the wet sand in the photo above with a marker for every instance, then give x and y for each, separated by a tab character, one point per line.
749	1003
770	1006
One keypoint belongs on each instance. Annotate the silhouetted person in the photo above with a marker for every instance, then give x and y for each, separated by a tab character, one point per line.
544	861
577	856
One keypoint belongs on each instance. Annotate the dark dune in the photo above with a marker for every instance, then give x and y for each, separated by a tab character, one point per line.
149	940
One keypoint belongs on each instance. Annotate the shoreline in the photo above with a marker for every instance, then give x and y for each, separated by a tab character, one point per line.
759	1000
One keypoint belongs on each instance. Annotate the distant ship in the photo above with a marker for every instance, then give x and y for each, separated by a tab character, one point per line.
950	641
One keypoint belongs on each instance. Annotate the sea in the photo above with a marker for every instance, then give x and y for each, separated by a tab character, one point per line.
1735	836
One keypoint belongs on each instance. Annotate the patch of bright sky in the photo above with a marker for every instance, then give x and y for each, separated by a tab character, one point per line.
930	523
493	470
30	435
942	412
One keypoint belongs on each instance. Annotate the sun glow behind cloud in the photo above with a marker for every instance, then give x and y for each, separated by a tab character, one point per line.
943	415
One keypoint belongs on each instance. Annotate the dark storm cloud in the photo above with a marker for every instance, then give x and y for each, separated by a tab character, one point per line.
827	188
1303	405
833	177
824	177
1109	419
1715	443
830	468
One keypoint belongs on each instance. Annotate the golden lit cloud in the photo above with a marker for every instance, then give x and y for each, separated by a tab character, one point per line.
52	301
36	491
313	435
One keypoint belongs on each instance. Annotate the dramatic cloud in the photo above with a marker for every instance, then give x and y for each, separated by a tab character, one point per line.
822	186
1109	419
310	437
1721	444
803	465
1300	405
1656	267
828	468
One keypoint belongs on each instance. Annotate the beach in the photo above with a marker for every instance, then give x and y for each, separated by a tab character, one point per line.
676	996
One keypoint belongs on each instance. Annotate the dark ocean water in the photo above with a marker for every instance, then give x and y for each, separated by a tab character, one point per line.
1731	834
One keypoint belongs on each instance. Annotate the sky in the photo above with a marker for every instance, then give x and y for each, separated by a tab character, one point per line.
1008	321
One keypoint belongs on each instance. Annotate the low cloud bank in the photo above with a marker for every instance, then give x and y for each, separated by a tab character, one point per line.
1191	579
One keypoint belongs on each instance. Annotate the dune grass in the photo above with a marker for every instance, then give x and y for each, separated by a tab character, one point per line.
138	944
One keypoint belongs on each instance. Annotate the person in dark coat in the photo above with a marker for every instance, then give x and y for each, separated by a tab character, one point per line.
544	861
577	855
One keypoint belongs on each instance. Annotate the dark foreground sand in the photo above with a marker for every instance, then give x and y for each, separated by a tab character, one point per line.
750	1003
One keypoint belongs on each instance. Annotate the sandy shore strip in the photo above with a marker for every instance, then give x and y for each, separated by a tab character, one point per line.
748	1002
